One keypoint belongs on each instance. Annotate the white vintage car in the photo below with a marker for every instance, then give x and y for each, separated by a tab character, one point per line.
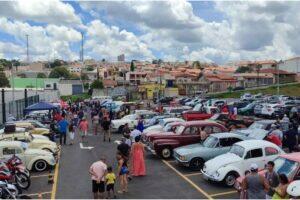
34	141
132	120
229	166
34	159
162	123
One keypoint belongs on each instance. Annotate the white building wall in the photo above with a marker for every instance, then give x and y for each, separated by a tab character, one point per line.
65	89
292	65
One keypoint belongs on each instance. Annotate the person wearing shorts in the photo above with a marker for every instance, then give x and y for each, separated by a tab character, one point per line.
98	173
110	182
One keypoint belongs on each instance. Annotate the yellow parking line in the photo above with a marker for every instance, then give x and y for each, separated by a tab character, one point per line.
43	175
193	174
54	186
223	193
188	180
170	161
37	194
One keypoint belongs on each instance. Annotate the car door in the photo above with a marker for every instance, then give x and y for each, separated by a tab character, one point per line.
254	156
190	135
8	152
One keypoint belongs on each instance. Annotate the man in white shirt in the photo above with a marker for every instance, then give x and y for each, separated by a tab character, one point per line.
98	172
134	134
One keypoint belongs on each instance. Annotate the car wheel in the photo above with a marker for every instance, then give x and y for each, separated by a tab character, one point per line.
40	165
196	163
166	153
230	178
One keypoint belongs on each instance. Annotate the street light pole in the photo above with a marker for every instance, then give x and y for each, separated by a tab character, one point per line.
278	82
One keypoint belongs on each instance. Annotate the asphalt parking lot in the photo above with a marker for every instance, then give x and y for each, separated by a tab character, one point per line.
165	179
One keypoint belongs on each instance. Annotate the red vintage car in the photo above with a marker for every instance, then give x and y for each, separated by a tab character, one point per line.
199	113
288	164
187	133
171	127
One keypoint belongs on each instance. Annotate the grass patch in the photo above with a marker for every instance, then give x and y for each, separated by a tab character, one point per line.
77	97
290	90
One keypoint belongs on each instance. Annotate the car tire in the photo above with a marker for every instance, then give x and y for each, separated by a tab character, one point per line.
166	152
40	165
230	178
196	164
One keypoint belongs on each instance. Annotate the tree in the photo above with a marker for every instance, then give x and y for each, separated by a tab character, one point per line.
22	75
243	69
41	75
3	79
84	77
59	72
90	68
97	84
132	67
57	63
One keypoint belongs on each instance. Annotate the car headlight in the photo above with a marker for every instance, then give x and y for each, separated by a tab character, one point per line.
183	158
216	174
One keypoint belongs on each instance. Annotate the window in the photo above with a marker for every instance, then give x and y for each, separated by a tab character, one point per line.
225	142
11	150
234	140
216	129
208	129
270	151
194	130
255	153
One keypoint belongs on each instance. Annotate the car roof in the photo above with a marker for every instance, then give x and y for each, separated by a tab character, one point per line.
10	143
203	122
292	156
226	135
169	119
266	121
250	144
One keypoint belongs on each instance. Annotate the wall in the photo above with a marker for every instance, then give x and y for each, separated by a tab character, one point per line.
65	89
291	65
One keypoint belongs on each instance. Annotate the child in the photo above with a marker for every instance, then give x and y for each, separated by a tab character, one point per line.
243	193
71	133
110	182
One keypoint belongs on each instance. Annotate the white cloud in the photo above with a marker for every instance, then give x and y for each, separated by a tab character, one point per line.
48	11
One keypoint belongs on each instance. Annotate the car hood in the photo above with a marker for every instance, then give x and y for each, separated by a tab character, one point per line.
253	133
220	161
152	128
37	152
41	141
161	135
193	148
40	137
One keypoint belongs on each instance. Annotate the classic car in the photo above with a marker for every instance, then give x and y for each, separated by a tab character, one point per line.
194	155
154	121
229	123
34	159
34	141
288	164
294	190
260	127
132	120
162	123
227	167
30	128
199	112
185	134
175	111
247	110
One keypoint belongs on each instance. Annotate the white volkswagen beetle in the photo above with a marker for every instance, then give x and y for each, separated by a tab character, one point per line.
162	124
229	166
34	159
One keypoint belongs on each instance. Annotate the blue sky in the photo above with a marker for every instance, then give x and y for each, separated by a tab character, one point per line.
208	31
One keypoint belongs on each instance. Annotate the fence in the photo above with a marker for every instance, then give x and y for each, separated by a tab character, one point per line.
16	108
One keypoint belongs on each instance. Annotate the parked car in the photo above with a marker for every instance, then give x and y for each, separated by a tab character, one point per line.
153	121
230	123
228	167
288	164
170	127
199	112
34	159
238	88
258	109
247	110
132	120
195	155
30	128
162	123
247	96
34	141
185	134
270	110
175	111
258	129
165	100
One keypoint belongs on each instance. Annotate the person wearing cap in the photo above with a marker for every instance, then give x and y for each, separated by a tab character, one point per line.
255	184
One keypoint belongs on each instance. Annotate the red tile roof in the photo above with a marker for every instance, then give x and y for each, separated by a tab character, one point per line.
274	71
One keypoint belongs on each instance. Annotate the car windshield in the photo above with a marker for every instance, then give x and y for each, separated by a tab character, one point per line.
285	166
179	129
162	122
197	107
210	142
257	125
215	117
237	150
168	127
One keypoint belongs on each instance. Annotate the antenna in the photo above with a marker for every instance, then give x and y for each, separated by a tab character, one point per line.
27	48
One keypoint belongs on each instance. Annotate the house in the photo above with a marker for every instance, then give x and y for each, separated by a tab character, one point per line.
40	83
136	77
291	65
248	80
108	83
219	82
70	87
284	76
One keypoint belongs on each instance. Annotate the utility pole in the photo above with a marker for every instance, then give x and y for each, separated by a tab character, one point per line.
81	56
278	81
27	48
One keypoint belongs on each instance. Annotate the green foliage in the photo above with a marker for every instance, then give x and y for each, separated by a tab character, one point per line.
97	84
41	75
74	98
90	68
229	89
132	67
57	63
59	72
243	69
84	77
22	75
86	86
3	79
74	76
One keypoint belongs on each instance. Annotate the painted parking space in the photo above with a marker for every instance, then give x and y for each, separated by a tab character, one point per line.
209	189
